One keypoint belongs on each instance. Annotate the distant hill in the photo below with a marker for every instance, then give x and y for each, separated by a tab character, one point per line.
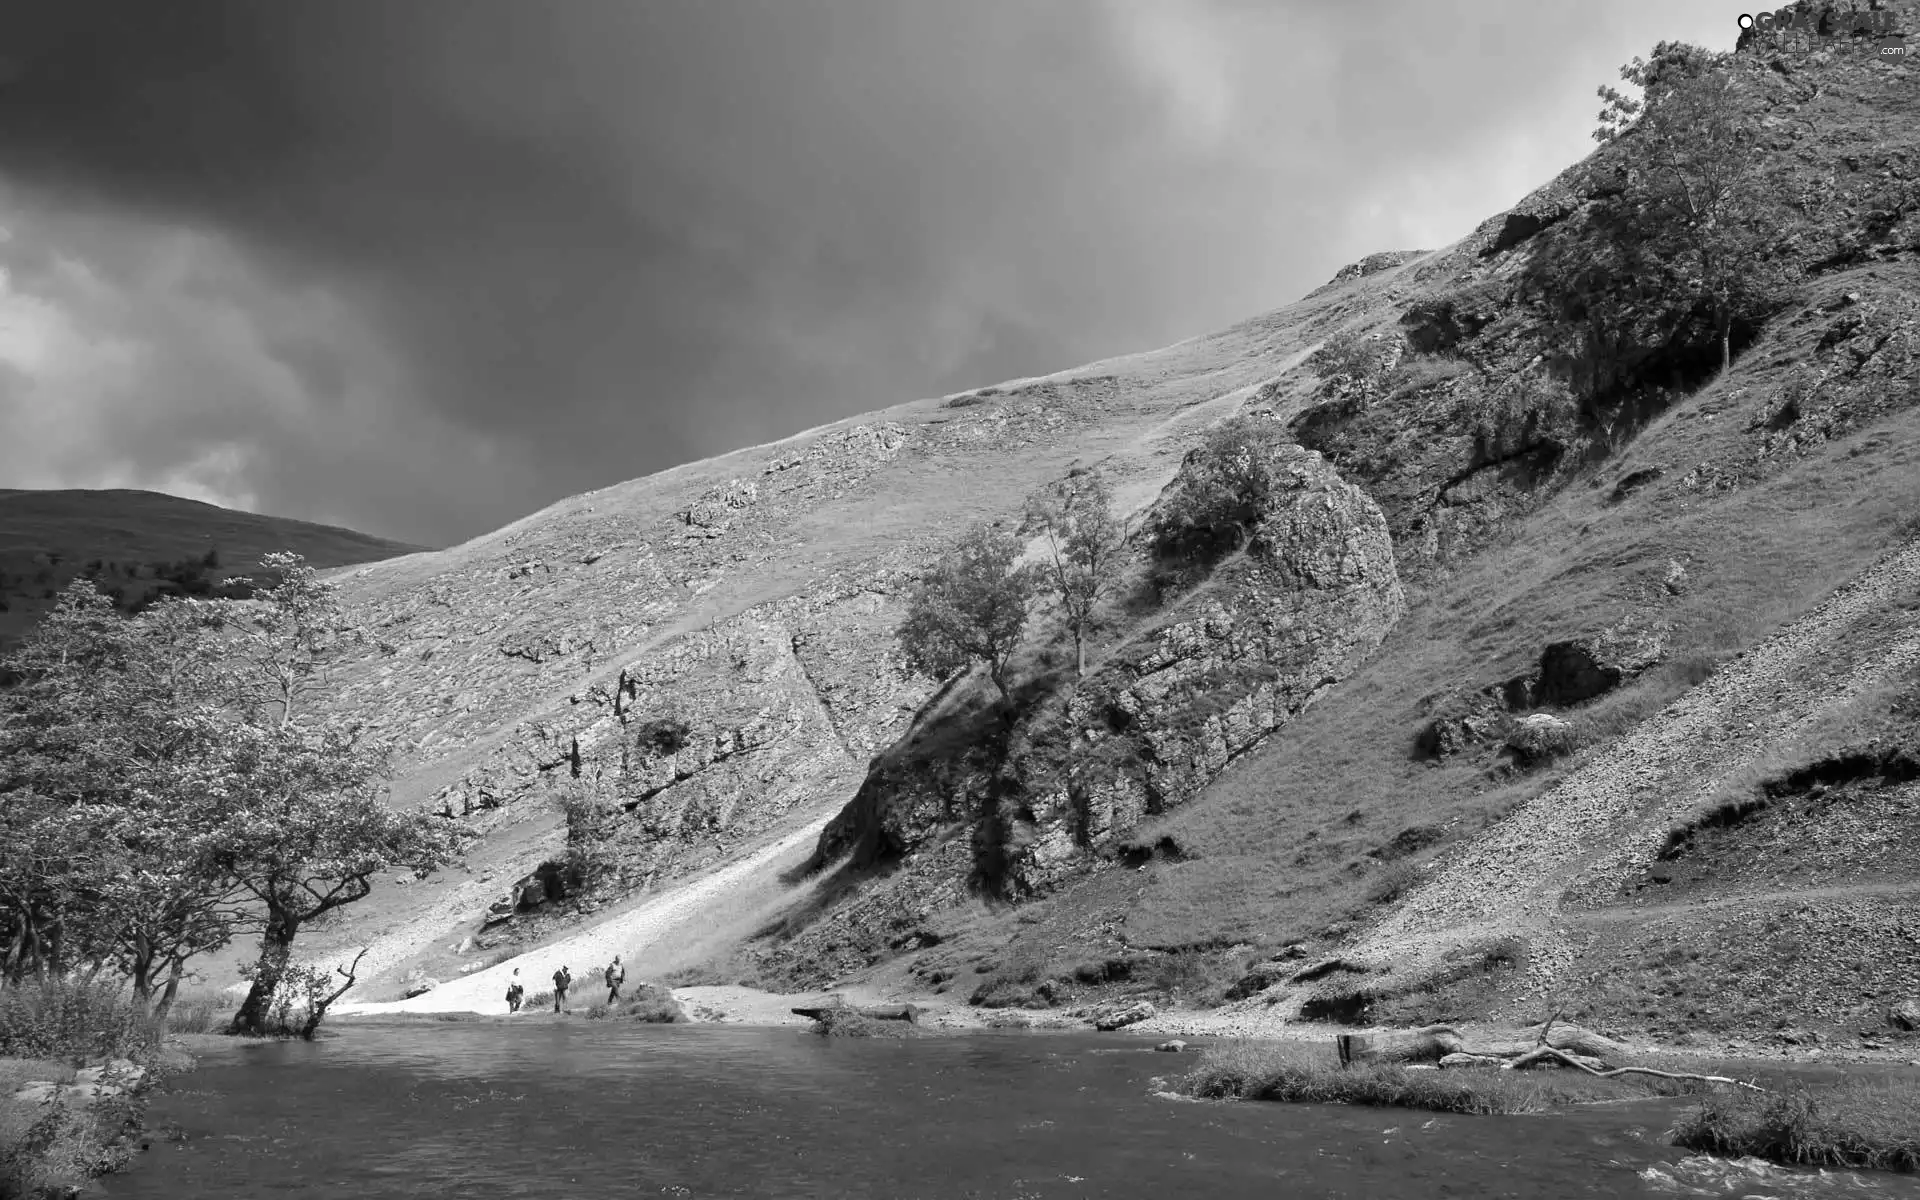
141	545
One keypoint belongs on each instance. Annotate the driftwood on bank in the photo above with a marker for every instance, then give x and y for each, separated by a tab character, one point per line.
873	1012
1551	1044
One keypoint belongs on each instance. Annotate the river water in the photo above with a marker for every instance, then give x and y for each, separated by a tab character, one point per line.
605	1110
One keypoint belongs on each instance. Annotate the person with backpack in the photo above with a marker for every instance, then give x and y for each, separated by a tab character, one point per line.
616	975
514	991
562	980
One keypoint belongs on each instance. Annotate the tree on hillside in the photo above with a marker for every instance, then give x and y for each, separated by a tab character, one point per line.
1085	544
1223	489
303	826
971	607
1701	212
592	813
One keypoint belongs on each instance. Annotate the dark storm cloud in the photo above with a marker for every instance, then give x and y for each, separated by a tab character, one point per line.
422	267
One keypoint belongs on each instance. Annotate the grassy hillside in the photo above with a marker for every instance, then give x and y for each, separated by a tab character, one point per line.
1608	760
140	544
1637	493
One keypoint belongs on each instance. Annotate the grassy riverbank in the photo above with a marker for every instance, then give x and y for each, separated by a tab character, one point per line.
1304	1073
1856	1124
48	1034
1850	1124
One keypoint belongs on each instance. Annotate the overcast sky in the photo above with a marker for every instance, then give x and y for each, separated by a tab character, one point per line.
420	267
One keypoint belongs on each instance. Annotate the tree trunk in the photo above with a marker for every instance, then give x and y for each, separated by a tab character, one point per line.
998	675
172	989
1726	340
1079	653
276	950
142	969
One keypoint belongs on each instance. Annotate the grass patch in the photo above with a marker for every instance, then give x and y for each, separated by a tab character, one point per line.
1861	1124
1301	1074
848	1023
1200	978
199	1011
649	1005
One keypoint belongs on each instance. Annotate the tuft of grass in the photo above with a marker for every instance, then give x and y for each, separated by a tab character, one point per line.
198	1011
650	1005
1198	977
1394	882
1859	1124
1301	1074
848	1023
1017	982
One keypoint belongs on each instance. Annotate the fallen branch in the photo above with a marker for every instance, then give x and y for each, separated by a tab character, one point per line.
1549	1053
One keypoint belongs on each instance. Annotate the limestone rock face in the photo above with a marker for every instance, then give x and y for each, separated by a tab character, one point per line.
1022	806
1314	594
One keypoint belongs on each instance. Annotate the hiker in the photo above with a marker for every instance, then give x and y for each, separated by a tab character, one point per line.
616	975
562	980
514	991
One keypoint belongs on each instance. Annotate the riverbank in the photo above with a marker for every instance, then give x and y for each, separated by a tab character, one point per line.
64	1122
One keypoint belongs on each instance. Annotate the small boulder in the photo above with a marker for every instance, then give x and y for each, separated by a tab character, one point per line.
419	988
1119	1016
1174	1046
1906	1015
1539	737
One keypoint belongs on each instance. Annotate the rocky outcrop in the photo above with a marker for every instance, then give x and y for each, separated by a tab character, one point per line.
973	800
1119	1016
1372	264
1575	671
1570	672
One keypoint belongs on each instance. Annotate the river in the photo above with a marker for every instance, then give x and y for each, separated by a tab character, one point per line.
607	1110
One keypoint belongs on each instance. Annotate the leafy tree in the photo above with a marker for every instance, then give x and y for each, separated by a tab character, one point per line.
303	826
1703	215
592	814
1223	489
970	608
1085	543
107	737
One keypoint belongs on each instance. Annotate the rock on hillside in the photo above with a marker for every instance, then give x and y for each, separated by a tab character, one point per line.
1018	804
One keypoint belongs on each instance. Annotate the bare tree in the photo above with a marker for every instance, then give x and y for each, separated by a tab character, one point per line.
1085	544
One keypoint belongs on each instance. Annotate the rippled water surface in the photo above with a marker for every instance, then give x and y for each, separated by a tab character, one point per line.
595	1109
